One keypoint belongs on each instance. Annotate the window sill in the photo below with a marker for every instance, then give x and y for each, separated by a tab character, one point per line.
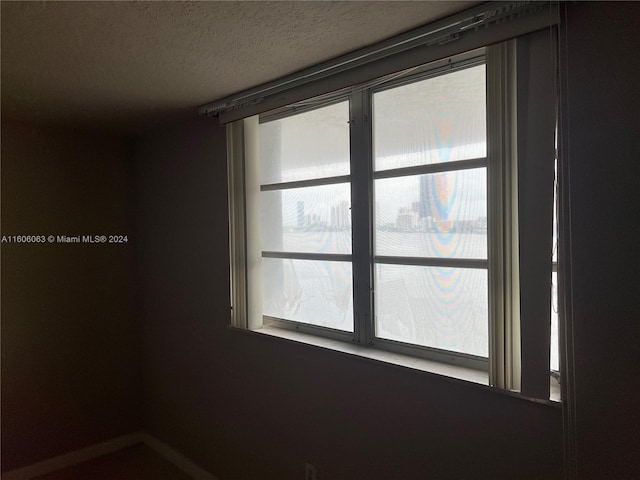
454	372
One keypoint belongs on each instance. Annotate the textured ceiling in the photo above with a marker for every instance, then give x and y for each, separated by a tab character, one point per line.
127	66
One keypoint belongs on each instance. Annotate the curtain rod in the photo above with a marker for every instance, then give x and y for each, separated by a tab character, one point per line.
437	33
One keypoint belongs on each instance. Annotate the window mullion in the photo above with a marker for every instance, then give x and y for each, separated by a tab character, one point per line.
361	198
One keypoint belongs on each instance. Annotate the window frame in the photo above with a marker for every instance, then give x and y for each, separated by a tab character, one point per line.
468	60
286	112
504	335
361	178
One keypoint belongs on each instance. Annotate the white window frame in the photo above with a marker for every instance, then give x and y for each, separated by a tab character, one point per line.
503	365
450	65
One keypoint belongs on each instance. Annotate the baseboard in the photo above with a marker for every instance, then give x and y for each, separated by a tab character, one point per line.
110	446
177	458
74	457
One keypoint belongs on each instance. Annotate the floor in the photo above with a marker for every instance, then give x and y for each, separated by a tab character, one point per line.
133	463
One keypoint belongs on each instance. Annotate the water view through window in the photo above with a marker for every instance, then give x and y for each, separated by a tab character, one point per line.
309	218
441	216
428	215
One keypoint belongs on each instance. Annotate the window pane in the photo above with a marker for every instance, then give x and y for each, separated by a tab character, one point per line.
309	145
441	119
441	215
310	220
445	308
313	292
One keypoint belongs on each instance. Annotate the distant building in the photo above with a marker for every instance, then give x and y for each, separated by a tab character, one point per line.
311	219
340	218
407	220
427	205
300	206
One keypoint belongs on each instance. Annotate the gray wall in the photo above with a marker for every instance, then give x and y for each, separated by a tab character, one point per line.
70	344
603	149
251	407
247	406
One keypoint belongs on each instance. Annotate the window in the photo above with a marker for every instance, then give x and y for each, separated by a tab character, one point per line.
430	212
306	219
404	214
